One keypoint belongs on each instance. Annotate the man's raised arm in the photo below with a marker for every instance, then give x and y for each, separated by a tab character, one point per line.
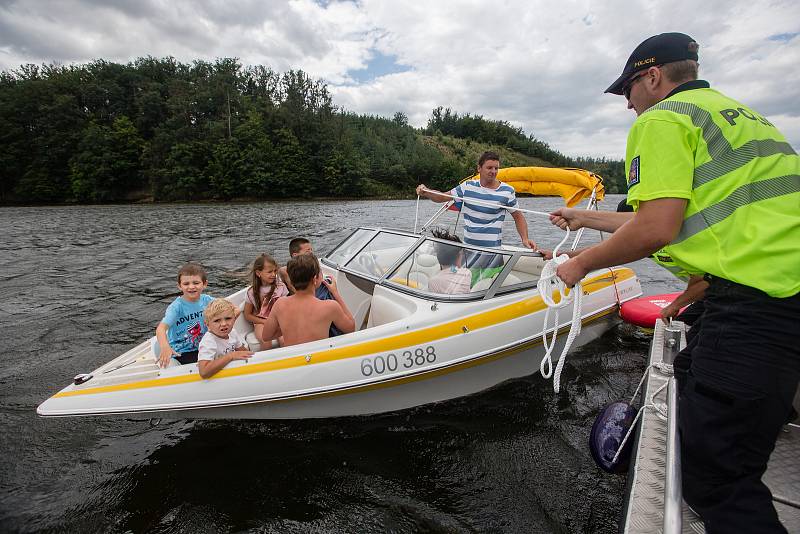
436	196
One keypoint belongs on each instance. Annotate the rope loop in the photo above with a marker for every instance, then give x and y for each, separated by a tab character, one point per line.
548	285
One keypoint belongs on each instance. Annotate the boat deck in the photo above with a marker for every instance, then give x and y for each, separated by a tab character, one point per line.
135	364
647	481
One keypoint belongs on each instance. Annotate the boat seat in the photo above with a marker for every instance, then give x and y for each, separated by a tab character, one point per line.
253	342
528	269
255	345
428	264
389	306
485	283
424	268
531	265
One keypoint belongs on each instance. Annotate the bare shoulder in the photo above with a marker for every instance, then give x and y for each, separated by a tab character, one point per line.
278	306
330	305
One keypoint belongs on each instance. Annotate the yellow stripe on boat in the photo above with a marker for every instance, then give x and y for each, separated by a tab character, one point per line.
388	344
392	381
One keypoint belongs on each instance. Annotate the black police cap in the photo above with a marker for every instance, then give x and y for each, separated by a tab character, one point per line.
657	50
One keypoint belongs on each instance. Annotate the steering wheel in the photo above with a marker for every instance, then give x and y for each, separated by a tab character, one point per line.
367	261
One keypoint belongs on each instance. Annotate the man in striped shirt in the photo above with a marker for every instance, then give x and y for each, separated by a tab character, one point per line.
483	225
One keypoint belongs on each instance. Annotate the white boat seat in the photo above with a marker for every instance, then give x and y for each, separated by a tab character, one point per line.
255	345
531	265
485	283
424	268
528	269
428	264
253	342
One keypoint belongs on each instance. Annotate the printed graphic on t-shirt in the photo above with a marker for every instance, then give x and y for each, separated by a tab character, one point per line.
195	334
633	174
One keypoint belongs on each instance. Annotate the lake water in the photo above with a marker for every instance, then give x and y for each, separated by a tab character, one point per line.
80	285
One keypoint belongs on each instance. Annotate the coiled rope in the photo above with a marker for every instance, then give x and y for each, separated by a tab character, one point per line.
549	284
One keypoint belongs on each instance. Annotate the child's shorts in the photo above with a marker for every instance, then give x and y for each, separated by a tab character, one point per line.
187	357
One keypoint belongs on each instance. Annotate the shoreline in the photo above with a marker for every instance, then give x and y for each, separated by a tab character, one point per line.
151	202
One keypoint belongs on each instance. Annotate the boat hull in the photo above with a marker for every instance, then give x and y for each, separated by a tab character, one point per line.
437	351
467	378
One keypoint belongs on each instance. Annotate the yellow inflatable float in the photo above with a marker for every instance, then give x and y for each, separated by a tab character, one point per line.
573	185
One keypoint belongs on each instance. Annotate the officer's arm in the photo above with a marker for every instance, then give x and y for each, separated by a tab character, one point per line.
654	226
605	221
695	291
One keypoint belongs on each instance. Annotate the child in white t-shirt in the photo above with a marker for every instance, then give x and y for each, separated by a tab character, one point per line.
221	344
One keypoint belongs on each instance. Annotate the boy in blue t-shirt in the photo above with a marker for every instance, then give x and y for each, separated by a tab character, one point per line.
180	331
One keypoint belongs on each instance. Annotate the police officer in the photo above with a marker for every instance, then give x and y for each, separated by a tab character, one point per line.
718	186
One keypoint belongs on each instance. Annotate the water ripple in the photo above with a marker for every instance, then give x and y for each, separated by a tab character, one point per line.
79	285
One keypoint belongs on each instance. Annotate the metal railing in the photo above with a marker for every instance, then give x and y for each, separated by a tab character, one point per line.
673	497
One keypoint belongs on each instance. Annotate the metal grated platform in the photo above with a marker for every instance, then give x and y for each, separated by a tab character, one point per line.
644	512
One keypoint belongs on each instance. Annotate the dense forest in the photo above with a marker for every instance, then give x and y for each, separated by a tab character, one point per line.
163	130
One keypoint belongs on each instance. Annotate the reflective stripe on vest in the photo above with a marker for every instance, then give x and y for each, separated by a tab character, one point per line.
665	260
726	159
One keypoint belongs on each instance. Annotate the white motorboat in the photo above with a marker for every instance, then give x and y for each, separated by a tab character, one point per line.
411	346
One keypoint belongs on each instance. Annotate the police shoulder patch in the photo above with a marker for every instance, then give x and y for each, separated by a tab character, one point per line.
633	173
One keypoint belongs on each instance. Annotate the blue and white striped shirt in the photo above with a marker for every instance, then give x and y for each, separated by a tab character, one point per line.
483	225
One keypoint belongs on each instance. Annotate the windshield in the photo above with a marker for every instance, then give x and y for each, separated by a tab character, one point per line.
381	254
350	246
434	267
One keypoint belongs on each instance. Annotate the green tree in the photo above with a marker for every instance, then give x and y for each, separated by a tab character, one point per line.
344	174
257	159
106	166
293	175
183	176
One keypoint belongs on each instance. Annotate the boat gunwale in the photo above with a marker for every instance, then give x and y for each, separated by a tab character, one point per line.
621	274
386	381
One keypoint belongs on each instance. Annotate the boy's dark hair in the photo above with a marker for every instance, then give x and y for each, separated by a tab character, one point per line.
192	269
302	270
295	244
446	254
488	155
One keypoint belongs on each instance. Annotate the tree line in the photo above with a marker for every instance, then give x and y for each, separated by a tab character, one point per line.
165	130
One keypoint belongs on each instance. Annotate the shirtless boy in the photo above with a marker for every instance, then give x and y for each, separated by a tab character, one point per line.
302	317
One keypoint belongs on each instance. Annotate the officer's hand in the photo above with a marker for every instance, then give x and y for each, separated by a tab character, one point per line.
670	311
566	217
571	271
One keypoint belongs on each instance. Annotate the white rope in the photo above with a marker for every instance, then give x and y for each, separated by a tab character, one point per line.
548	281
486	203
649	403
416	216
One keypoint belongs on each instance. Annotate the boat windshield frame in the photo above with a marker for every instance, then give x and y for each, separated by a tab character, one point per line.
348	265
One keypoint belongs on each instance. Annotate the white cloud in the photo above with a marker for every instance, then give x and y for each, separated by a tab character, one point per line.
538	64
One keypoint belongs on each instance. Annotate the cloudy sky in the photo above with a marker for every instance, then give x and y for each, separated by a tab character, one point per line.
541	65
